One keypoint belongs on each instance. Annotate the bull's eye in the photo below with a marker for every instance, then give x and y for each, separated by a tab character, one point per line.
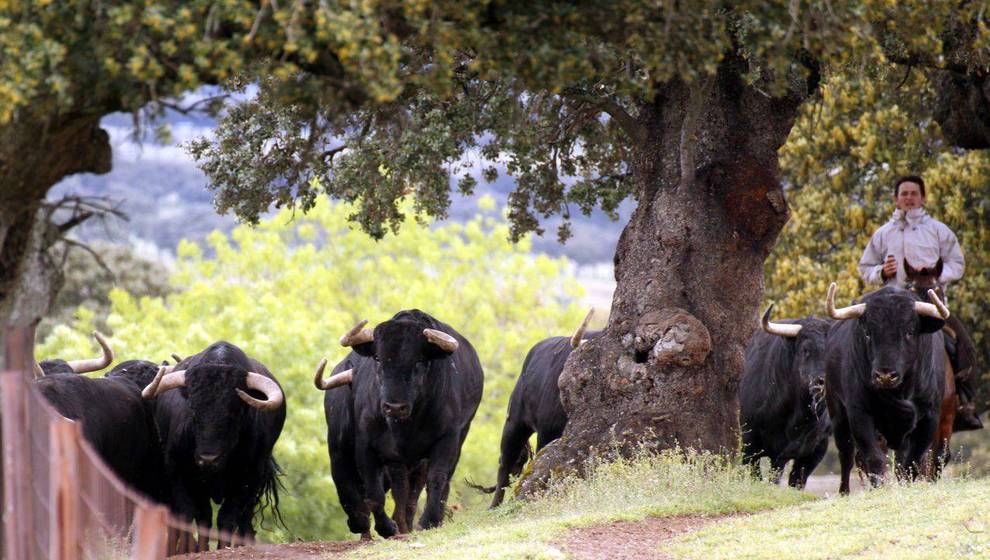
908	336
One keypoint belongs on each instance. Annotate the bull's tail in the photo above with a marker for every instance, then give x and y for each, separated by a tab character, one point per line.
268	495
480	488
525	454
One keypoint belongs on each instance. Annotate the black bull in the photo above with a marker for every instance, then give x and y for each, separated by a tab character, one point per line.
781	397
218	428
398	418
884	378
534	406
115	420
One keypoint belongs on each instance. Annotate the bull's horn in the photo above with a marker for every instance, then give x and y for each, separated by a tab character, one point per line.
578	337
38	372
165	380
781	329
936	309
83	366
336	380
358	335
446	342
177	358
850	312
273	393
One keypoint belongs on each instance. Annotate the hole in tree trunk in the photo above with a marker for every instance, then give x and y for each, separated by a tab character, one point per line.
642	356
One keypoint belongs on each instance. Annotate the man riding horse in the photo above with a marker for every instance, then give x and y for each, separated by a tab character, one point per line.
918	252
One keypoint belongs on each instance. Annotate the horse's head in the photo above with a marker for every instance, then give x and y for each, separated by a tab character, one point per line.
921	280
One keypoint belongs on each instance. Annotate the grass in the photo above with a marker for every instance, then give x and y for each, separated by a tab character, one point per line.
668	484
943	520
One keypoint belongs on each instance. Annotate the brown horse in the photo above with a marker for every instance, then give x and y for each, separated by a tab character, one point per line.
920	281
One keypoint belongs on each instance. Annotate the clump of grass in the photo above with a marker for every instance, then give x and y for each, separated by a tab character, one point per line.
948	519
669	483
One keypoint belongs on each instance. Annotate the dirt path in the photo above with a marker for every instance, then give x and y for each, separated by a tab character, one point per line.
629	540
316	550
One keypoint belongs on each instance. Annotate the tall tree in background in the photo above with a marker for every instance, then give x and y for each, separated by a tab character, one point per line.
681	106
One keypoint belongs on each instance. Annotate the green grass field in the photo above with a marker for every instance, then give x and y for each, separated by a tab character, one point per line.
949	519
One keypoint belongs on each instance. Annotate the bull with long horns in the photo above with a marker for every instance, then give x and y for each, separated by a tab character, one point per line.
219	413
398	408
884	379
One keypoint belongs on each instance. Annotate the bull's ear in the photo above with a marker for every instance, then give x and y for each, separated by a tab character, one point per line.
366	349
929	325
938	269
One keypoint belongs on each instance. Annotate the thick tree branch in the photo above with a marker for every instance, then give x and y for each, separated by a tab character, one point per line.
627	122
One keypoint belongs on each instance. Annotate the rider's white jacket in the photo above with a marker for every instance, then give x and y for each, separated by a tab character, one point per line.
919	238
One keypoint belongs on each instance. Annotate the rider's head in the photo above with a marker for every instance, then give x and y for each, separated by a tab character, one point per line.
909	192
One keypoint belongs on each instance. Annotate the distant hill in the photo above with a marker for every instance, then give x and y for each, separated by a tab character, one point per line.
165	195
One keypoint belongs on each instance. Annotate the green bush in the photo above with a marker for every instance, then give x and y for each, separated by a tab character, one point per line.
286	290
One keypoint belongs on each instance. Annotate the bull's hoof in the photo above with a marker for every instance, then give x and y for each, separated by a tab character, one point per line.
386	528
366	536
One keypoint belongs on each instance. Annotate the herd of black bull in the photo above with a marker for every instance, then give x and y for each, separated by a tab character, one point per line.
399	405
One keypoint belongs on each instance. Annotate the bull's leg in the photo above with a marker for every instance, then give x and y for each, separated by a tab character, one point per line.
844	444
232	514
874	460
514	437
912	453
777	466
399	477
804	466
417	481
752	452
347	481
196	511
373	475
443	459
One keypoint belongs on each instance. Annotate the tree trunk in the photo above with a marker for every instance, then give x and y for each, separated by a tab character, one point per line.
34	156
689	273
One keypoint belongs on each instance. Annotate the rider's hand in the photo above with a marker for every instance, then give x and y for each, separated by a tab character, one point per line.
889	268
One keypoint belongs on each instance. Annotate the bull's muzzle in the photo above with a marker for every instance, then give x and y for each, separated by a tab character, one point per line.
886	378
208	461
398	411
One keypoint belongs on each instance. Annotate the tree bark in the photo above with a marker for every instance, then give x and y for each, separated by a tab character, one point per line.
689	273
34	156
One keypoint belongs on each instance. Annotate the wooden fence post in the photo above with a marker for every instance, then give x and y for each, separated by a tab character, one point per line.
65	534
17	498
16	468
150	532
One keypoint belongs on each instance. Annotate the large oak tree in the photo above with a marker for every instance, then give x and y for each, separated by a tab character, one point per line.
681	105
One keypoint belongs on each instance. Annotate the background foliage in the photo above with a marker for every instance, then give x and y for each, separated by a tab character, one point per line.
288	289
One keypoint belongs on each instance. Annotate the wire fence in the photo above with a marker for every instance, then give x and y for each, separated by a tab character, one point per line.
60	500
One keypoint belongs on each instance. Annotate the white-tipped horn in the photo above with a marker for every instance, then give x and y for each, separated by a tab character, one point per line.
273	393
336	380
164	381
38	372
446	342
936	309
850	312
780	329
358	335
84	366
578	336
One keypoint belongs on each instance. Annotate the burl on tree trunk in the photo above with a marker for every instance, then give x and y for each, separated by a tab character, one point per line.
689	273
